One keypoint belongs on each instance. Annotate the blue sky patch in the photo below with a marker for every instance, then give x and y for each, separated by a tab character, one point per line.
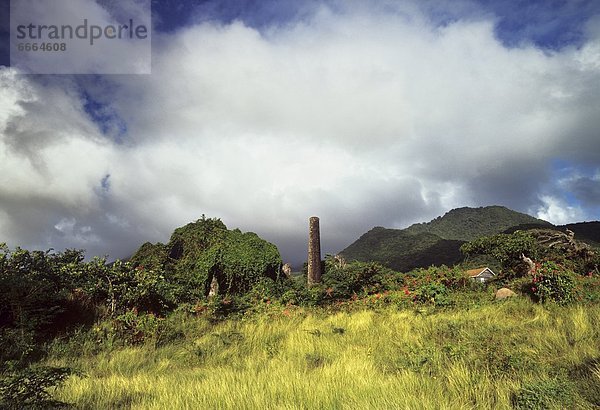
549	24
105	183
105	117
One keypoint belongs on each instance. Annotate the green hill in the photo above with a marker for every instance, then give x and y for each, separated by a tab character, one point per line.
436	242
466	224
402	250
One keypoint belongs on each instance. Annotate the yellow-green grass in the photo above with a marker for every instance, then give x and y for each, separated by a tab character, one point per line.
389	358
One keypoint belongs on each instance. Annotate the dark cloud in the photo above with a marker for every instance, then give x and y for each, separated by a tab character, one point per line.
586	190
5	33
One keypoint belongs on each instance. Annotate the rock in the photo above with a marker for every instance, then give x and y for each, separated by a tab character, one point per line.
504	293
214	287
287	270
340	261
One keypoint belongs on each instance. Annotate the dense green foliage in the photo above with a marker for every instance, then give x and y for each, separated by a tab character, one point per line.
344	281
30	388
506	248
554	274
37	298
434	284
553	282
43	293
47	294
544	394
204	249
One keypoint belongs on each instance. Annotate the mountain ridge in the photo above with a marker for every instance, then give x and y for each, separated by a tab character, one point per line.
468	223
438	241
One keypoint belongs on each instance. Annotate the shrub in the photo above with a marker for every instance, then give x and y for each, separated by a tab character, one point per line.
17	347
125	286
590	286
553	282
434	293
314	295
452	278
342	281
32	293
267	289
434	284
134	328
29	388
544	394
291	297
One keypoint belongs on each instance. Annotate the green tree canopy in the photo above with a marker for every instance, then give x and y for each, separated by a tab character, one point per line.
506	248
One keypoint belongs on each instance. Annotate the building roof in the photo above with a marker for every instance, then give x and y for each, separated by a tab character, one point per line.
476	272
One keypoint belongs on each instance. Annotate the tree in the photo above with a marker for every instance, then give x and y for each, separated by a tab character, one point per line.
520	250
506	248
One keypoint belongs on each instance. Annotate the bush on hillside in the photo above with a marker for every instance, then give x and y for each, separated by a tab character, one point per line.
432	293
30	388
544	394
553	282
125	286
451	278
343	280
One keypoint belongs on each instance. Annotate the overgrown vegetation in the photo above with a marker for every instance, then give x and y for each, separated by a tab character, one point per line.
553	282
103	335
206	249
44	295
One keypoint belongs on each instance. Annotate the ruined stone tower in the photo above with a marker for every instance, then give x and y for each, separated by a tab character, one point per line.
314	251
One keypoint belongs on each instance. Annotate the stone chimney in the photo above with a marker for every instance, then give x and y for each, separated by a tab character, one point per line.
314	251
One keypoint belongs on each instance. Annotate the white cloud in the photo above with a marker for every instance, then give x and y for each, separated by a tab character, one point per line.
558	212
359	117
68	227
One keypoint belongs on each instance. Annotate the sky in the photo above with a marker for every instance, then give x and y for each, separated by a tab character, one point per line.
264	113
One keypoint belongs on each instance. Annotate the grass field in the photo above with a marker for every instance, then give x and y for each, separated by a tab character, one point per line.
512	354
